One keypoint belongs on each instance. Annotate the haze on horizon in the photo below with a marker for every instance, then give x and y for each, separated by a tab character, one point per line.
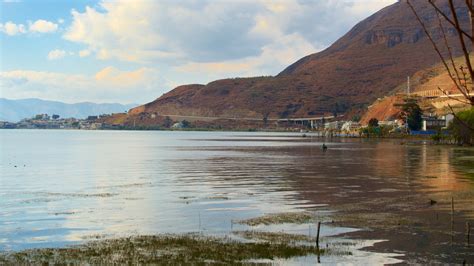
134	51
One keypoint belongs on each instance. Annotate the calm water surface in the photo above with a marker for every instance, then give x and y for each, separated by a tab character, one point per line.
65	187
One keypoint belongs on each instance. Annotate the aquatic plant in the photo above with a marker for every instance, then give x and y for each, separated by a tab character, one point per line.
279	218
162	249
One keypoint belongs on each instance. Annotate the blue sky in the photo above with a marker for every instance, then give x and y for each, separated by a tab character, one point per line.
134	51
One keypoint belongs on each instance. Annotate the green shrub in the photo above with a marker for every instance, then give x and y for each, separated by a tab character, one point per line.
462	127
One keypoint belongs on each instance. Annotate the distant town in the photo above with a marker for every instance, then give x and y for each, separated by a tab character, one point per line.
329	126
45	121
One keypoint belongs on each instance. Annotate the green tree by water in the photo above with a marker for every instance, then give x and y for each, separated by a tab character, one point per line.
185	124
373	122
372	129
356	118
168	122
412	113
461	127
265	119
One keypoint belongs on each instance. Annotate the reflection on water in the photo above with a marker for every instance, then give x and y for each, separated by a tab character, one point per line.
63	187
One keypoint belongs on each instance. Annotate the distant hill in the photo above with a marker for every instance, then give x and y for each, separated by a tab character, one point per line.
15	110
368	62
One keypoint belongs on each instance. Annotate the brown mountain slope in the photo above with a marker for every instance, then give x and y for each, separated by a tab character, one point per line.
385	109
368	62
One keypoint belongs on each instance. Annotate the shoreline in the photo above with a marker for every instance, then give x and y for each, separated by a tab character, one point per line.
306	134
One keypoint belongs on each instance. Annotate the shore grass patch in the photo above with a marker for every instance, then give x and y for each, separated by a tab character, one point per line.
280	218
162	249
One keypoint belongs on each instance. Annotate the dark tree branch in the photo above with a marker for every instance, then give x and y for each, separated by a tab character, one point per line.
460	86
461	39
435	47
451	57
451	97
469	5
448	19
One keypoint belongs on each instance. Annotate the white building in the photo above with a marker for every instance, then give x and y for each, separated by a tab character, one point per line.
350	126
336	125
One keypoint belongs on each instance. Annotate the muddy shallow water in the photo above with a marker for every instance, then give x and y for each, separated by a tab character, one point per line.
392	199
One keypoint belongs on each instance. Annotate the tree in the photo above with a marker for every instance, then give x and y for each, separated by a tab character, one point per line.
412	113
356	118
265	119
335	110
371	130
460	127
185	124
167	123
373	122
55	117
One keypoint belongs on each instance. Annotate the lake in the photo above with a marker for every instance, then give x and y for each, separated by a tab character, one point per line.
64	187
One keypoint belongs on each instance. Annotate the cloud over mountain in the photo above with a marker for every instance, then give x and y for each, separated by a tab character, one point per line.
212	31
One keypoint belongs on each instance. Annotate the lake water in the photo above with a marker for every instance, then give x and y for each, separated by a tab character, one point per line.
64	187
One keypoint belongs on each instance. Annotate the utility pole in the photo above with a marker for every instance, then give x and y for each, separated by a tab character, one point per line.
471	13
408	99
408	86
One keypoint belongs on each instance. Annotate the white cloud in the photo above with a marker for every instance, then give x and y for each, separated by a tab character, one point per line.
281	53
84	53
11	28
124	79
207	32
147	31
56	54
43	26
107	85
39	26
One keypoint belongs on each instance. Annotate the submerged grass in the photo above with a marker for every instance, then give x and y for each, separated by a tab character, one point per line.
280	218
339	248
275	237
162	249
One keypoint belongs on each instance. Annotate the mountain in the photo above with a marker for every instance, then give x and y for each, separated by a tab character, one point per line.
15	110
368	62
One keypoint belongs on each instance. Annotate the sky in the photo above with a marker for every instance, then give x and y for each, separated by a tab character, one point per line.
134	51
